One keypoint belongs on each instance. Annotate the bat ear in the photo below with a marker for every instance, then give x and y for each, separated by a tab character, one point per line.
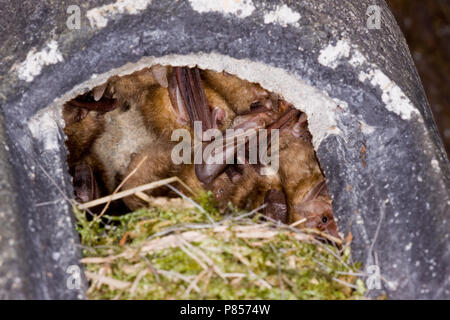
315	191
160	73
98	91
298	212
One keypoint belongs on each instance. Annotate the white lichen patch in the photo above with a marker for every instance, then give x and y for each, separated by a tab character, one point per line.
36	60
44	128
359	220
357	59
393	285
283	15
392	95
99	17
332	55
239	8
435	165
340	103
366	129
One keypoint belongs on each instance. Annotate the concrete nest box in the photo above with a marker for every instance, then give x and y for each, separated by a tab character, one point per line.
372	128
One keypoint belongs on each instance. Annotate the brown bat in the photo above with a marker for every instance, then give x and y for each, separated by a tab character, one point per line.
156	164
245	188
121	132
222	188
246	192
172	98
186	100
316	209
240	94
85	183
98	141
82	128
129	88
91	120
275	200
315	206
251	122
227	149
125	131
241	183
299	169
83	117
88	185
303	180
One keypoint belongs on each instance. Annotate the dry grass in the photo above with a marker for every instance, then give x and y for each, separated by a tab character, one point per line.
187	251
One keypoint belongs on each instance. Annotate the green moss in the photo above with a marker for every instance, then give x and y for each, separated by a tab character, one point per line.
219	263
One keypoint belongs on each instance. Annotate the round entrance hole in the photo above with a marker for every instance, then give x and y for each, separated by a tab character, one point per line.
396	205
164	139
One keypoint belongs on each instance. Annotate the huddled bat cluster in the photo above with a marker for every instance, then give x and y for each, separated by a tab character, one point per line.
128	122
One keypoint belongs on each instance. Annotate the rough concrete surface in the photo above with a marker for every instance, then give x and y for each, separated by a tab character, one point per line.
373	130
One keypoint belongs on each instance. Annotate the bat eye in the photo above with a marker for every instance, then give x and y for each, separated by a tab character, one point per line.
324	219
